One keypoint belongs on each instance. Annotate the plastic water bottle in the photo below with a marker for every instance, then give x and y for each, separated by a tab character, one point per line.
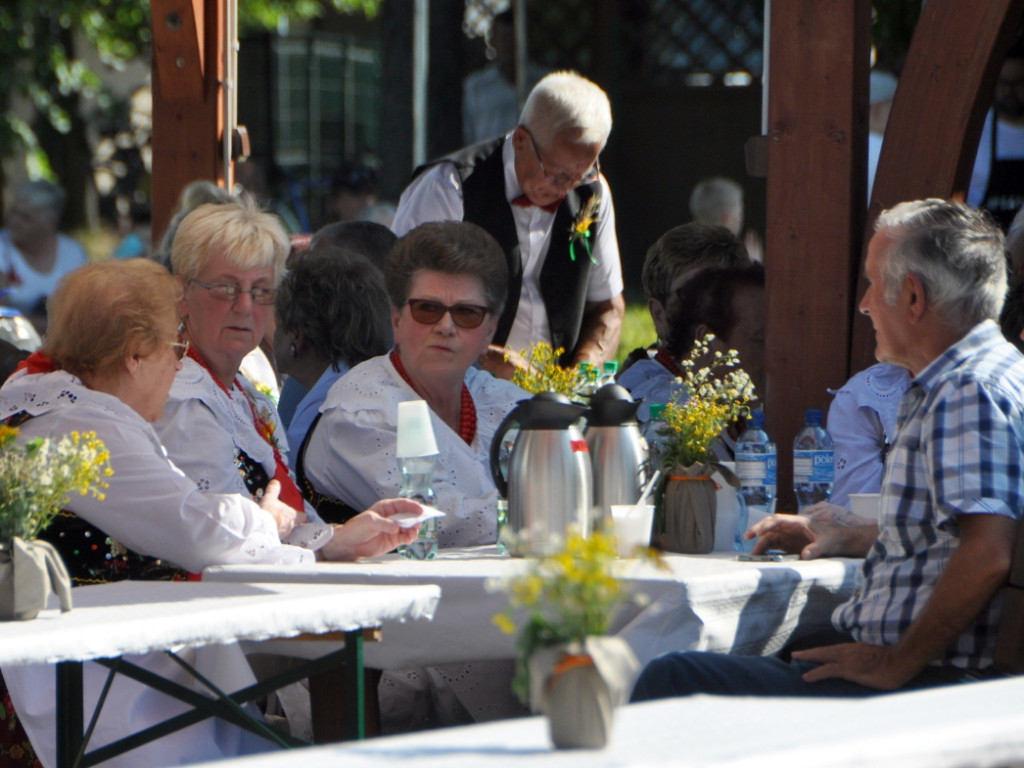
417	454
656	441
813	462
608	371
757	469
418	485
587	376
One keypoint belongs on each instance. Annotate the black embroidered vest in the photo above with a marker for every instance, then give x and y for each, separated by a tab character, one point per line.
563	281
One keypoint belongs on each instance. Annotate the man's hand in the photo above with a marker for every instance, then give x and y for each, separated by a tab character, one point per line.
493	361
599	333
824	531
285	516
370	533
870	665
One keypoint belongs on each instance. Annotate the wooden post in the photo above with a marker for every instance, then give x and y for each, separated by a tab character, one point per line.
188	64
817	177
937	115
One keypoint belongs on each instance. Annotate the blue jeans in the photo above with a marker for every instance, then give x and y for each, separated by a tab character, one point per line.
685	673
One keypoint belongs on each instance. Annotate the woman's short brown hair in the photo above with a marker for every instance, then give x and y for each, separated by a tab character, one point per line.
104	311
452	248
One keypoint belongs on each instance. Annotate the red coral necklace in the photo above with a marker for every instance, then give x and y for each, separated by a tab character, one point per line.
467	411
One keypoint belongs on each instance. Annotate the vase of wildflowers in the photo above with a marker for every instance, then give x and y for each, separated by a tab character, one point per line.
567	667
715	392
36	480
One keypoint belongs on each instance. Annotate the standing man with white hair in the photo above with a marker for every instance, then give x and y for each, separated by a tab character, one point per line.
540	192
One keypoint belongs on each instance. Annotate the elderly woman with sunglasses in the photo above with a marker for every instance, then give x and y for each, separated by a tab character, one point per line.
446	282
111	354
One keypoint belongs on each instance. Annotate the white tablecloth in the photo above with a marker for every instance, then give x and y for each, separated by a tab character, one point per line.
978	724
129	617
703	602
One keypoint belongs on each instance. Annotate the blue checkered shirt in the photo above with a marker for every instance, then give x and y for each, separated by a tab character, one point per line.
958	451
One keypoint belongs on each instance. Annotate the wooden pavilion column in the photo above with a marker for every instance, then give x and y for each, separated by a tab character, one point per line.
817	160
188	117
937	115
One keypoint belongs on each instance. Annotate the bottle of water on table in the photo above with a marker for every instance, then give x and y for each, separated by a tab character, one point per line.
417	460
757	469
656	441
608	373
813	462
418	485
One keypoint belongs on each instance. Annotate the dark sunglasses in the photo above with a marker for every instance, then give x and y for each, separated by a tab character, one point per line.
427	312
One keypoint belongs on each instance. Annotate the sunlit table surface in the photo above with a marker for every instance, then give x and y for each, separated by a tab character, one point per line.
701	602
110	621
135	617
974	724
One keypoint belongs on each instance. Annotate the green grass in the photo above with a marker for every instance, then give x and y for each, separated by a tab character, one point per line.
637	330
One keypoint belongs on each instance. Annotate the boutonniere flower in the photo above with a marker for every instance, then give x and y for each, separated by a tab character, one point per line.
583	227
266	427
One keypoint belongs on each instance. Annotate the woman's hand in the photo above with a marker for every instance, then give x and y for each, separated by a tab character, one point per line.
370	533
286	517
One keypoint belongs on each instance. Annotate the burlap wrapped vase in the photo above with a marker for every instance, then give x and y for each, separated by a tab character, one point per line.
578	686
29	572
686	512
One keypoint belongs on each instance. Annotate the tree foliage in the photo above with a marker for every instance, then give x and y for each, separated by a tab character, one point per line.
38	61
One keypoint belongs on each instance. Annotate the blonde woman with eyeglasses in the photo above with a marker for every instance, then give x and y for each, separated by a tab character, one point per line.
112	351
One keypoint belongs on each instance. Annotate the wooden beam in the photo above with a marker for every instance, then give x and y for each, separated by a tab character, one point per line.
188	120
945	89
817	160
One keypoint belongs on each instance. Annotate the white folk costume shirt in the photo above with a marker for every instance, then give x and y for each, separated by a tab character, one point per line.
151	508
436	195
203	429
351	454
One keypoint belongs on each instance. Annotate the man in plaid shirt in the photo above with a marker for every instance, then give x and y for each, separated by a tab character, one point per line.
926	607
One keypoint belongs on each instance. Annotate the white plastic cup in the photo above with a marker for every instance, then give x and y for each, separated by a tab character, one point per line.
415	433
632	526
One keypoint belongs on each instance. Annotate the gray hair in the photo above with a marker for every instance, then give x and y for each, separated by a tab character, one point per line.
566	101
957	252
196	193
336	299
714	198
42	196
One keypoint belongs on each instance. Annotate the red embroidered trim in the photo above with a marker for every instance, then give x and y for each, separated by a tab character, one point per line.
290	493
666	360
467	410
